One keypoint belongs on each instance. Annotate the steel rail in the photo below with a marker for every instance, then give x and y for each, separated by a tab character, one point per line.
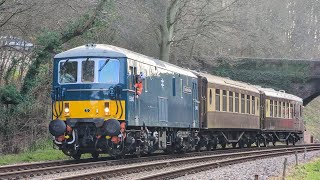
237	157
207	166
37	165
38	169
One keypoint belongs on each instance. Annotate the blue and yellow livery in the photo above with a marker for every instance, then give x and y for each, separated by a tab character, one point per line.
96	107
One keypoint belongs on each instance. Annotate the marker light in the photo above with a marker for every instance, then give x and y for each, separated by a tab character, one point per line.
66	110
106	110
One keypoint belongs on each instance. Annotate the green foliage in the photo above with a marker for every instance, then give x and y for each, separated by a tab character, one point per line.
50	43
311	116
41	151
308	171
275	74
10	95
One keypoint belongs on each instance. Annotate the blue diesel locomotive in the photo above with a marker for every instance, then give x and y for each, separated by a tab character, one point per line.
107	99
97	109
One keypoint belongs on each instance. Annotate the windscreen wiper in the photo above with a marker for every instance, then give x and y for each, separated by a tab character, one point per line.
106	62
65	63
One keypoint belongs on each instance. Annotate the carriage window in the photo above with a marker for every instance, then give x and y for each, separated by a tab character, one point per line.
181	88
248	104
290	111
243	103
108	71
280	109
145	82
283	110
87	71
173	86
230	101
253	105
275	108
258	104
236	102
210	97
217	99
68	72
224	100
271	108
287	110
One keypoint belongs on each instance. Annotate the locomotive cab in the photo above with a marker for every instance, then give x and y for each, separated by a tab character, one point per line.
88	101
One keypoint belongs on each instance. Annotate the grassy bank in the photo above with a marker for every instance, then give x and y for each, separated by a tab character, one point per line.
32	156
307	171
41	151
311	115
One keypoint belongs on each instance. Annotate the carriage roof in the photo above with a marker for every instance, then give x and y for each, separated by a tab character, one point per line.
280	94
228	82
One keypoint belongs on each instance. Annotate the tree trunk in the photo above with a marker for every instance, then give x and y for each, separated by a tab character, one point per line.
167	30
165	46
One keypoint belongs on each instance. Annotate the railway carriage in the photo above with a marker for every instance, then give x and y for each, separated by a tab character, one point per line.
281	116
229	110
96	107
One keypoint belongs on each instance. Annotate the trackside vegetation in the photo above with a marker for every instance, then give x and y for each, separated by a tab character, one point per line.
307	171
41	151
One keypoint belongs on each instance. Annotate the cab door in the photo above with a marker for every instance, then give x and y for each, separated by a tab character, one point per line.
202	96
133	106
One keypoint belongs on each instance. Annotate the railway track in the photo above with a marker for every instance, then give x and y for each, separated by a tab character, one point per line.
132	165
199	163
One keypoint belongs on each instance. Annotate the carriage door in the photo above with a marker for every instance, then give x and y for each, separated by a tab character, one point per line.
202	96
195	105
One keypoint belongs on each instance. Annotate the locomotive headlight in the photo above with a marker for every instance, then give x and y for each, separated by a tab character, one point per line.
106	108
66	109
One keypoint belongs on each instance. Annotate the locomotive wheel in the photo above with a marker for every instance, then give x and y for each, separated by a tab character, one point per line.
95	155
294	142
208	146
274	143
241	144
287	142
197	148
265	142
76	156
234	145
248	144
214	147
223	145
258	143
